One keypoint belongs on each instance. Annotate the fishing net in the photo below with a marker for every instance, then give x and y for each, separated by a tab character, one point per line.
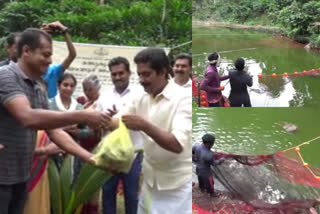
277	183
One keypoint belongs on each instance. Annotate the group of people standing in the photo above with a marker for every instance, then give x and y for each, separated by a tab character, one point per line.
36	95
239	81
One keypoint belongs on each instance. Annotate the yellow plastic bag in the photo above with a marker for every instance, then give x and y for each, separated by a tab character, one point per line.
115	151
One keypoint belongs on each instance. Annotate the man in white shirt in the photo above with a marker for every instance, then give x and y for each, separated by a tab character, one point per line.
163	114
115	99
182	69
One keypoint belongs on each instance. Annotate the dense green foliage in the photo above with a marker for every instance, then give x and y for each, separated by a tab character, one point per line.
123	22
294	16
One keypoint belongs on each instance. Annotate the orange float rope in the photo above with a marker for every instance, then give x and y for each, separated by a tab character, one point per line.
303	73
306	165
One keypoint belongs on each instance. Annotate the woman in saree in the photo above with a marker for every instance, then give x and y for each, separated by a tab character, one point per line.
38	199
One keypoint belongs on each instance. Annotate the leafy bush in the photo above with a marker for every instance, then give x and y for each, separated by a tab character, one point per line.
19	15
122	22
295	17
315	40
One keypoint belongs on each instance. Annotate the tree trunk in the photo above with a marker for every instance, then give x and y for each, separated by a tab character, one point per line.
100	2
163	18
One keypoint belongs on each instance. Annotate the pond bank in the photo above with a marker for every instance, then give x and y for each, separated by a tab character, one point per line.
260	28
267	29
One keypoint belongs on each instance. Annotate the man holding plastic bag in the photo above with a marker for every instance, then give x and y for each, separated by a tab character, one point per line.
163	114
112	100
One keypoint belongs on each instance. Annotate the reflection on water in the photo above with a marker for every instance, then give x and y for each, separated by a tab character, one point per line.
258	130
264	55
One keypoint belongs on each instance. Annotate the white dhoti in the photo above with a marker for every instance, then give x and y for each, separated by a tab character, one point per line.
154	201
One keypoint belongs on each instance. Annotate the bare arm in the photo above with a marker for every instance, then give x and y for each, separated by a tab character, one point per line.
49	149
65	142
64	30
72	52
19	107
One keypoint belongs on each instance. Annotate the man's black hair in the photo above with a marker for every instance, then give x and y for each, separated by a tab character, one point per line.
11	39
31	37
239	64
213	56
118	61
208	139
66	76
184	56
156	58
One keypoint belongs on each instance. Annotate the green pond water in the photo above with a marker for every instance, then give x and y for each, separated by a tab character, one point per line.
264	54
259	130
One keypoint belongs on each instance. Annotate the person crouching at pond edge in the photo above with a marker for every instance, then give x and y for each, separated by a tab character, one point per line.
211	82
239	80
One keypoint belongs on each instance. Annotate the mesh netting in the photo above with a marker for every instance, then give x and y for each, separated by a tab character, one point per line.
275	183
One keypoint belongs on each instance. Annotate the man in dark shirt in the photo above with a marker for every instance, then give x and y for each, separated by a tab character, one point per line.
23	111
12	41
239	80
204	158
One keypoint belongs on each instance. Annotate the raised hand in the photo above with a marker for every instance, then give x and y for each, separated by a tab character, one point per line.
57	25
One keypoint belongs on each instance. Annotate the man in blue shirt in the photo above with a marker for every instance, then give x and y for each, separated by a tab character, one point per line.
204	158
55	71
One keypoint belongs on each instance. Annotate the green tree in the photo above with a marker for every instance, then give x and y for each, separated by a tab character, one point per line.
123	22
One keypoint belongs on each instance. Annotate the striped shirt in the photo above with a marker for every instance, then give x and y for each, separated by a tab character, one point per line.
18	141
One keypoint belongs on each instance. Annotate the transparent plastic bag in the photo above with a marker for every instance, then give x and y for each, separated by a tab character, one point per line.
115	151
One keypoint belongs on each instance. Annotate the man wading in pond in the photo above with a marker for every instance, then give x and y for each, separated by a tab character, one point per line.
239	80
211	81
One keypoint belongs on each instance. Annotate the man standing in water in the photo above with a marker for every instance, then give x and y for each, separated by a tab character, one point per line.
204	158
211	81
239	80
163	114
